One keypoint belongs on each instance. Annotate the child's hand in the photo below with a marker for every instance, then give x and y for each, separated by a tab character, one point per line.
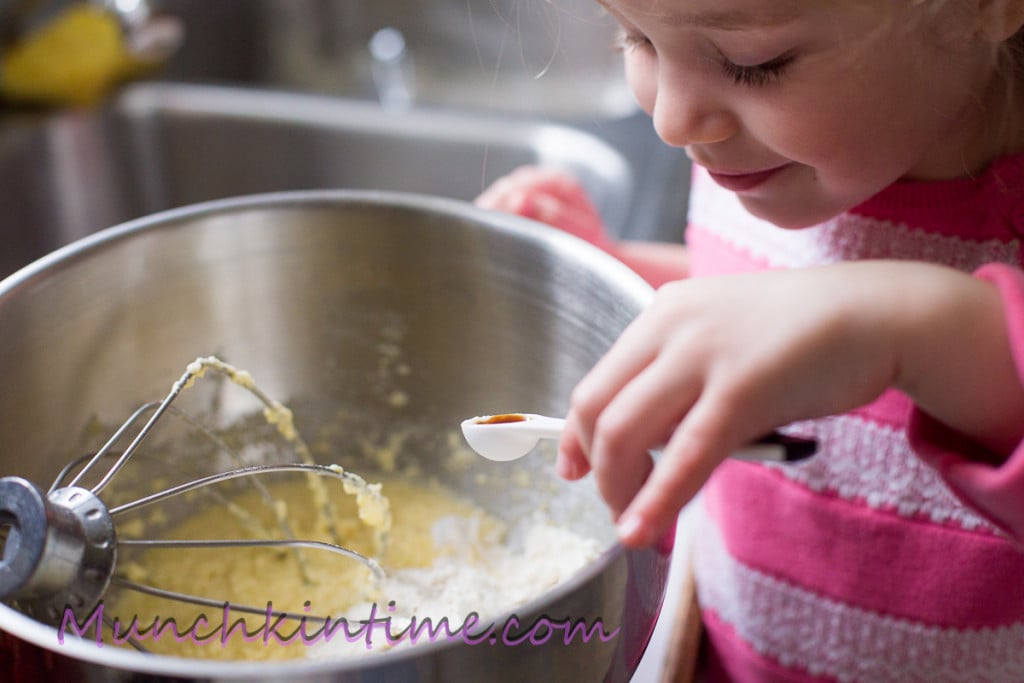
556	198
549	196
717	362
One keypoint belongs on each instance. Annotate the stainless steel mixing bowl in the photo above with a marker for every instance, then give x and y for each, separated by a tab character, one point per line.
486	313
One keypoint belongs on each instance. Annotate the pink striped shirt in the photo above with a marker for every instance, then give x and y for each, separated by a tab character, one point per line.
892	555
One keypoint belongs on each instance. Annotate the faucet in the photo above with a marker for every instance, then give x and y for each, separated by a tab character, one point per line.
75	51
393	73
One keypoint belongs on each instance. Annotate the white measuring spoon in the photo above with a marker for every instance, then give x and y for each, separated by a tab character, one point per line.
510	436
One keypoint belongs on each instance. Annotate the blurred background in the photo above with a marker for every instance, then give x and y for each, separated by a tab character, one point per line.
114	109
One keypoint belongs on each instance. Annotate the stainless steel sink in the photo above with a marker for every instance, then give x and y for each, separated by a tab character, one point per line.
159	146
536	59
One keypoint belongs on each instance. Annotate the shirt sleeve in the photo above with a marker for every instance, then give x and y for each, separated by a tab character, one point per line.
995	489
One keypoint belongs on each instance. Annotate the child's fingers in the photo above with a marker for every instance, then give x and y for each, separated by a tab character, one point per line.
551	181
638	419
703	440
503	195
566	217
596	390
636	348
572	462
528	181
546	208
558	184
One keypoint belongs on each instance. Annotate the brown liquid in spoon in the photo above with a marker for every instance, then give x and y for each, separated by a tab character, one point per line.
501	419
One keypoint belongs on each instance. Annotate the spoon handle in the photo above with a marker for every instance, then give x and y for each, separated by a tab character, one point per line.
776	447
773	447
542	426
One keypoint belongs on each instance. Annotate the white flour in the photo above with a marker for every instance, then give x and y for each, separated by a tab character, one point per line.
476	571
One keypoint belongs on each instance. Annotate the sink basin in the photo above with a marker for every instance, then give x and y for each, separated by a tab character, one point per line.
536	59
158	146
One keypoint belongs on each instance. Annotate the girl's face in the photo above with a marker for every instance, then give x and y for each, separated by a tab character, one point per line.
806	108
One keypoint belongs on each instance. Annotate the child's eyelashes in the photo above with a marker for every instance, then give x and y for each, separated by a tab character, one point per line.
625	42
756	75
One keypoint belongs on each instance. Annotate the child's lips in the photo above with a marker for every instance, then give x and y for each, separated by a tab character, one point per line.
742	182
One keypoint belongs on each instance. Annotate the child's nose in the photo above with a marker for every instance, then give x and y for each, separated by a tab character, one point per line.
685	114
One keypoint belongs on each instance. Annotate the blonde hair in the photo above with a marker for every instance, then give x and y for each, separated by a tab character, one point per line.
1007	60
1008	56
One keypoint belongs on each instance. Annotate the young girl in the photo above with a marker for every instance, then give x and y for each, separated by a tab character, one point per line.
856	275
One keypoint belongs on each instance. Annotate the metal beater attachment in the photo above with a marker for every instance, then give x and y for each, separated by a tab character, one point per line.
61	547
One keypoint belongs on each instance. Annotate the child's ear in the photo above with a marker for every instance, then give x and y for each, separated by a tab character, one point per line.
998	20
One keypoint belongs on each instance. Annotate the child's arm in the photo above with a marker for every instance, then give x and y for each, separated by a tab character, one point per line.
992	484
658	262
716	362
731	358
556	198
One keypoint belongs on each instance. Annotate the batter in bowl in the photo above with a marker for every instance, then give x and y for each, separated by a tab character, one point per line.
443	557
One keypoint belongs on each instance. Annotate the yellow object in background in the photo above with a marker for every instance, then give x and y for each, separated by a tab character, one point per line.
74	59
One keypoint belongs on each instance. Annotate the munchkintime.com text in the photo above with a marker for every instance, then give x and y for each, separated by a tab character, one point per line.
377	629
